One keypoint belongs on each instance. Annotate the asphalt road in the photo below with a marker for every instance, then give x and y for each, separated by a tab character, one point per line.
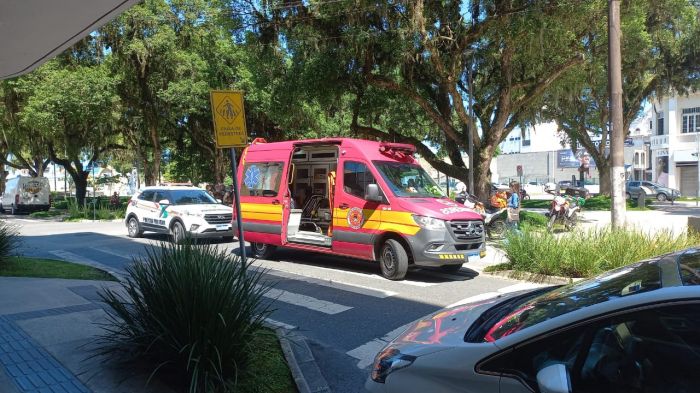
343	306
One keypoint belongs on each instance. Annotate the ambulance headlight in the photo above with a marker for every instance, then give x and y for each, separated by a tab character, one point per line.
429	222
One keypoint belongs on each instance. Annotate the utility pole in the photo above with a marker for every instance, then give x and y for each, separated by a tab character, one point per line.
617	142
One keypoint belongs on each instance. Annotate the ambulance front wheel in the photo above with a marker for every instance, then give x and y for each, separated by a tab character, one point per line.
262	250
393	260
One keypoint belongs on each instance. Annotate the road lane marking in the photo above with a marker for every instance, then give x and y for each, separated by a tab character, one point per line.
335	284
366	352
279	324
305	301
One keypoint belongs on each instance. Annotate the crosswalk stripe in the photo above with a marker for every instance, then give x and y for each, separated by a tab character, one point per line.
366	352
284	266
279	324
305	301
72	257
355	288
483	296
116	254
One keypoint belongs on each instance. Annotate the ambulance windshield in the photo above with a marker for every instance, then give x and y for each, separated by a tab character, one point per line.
408	180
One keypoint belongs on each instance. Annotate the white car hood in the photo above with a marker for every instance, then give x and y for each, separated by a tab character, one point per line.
203	209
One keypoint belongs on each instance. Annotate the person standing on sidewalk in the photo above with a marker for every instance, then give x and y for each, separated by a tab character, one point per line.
514	206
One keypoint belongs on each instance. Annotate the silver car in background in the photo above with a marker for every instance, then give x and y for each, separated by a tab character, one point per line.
633	329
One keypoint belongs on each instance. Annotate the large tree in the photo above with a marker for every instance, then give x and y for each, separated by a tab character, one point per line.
660	55
406	65
74	107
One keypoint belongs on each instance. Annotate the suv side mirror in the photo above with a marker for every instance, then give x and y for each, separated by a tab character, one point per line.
164	202
219	201
373	193
554	379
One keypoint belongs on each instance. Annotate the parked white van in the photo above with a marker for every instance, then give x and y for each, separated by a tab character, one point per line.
26	194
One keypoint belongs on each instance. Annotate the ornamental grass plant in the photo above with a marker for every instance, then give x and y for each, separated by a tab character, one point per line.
585	253
191	312
9	241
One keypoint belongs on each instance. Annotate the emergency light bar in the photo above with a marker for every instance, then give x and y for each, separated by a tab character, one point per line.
392	148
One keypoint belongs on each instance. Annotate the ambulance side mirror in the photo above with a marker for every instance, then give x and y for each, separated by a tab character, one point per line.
373	193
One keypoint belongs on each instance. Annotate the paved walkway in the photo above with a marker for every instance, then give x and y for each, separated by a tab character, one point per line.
47	331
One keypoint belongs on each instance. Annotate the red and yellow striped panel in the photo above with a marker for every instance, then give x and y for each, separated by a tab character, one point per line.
261	212
379	220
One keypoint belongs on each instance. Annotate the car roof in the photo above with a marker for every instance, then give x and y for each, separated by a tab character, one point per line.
170	188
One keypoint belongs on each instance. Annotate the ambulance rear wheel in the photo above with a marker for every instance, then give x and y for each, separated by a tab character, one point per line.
393	260
262	250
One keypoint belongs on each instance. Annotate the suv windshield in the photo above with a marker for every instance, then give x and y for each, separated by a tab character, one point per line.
408	180
190	197
510	317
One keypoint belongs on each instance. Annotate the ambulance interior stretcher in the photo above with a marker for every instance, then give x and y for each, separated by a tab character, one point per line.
312	187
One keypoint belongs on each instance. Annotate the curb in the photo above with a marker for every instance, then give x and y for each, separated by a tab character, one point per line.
302	364
534	277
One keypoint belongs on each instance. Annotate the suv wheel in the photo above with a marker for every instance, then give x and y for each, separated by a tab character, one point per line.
661	197
179	233
133	227
393	260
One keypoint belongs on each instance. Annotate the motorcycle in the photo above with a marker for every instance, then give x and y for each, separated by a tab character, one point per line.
565	210
494	220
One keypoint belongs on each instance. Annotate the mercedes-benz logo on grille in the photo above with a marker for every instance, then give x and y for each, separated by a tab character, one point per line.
471	228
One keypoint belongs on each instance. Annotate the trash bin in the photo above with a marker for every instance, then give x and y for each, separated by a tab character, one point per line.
641	200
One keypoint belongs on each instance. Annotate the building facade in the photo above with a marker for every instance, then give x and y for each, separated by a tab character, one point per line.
675	142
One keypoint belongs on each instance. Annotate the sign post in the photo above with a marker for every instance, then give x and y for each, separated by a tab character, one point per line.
230	132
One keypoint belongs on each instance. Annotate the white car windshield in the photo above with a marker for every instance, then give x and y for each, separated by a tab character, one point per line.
190	197
535	307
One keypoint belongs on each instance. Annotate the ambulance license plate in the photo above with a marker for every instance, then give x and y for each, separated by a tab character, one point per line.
473	258
223	227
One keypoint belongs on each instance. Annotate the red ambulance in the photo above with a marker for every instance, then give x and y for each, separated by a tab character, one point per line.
356	198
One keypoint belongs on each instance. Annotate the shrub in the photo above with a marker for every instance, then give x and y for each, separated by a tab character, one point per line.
532	219
190	311
9	241
62	205
587	252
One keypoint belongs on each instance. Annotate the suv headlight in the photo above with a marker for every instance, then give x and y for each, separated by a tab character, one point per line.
388	361
429	222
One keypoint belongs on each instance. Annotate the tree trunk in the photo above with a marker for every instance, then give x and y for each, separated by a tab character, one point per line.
80	179
219	166
157	152
604	174
482	173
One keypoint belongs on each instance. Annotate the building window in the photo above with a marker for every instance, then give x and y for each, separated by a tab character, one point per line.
691	120
660	123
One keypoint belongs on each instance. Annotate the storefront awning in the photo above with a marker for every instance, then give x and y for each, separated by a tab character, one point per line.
34	31
685	156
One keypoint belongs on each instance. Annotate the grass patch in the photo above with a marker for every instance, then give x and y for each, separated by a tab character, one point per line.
536	204
47	214
276	378
102	212
596	203
586	253
50	268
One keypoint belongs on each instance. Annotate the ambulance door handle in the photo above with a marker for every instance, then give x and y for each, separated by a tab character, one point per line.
275	201
344	206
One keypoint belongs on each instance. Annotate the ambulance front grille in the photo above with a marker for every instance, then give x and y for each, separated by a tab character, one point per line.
467	230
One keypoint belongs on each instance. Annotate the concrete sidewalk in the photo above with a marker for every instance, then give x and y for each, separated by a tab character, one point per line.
48	328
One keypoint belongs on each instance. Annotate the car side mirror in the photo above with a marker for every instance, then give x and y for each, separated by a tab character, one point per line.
554	379
373	193
164	202
220	201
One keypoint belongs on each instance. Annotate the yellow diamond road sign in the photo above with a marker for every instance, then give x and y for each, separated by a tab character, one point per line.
229	118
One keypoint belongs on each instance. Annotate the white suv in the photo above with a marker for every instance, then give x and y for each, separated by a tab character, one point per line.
178	211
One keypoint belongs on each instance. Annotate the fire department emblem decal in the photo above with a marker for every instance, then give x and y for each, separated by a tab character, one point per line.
355	218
